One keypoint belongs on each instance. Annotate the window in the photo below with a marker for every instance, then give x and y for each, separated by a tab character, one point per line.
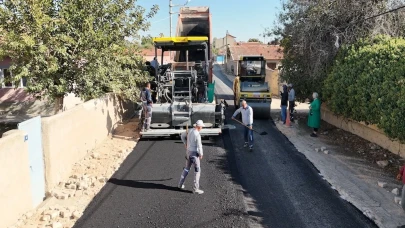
7	78
272	66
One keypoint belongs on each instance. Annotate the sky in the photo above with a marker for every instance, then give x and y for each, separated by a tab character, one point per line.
242	19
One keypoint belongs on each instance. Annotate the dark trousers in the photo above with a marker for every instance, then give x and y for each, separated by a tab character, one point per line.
291	105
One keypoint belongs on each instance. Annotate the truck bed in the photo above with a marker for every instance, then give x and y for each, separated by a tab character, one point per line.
194	21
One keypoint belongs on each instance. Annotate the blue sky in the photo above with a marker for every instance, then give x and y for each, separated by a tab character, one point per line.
243	19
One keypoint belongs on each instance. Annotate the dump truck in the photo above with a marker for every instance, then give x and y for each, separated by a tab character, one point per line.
251	86
195	22
181	91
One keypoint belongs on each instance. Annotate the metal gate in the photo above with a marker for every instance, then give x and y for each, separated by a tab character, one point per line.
33	137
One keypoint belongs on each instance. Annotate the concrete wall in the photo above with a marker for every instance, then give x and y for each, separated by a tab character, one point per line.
69	136
370	132
15	183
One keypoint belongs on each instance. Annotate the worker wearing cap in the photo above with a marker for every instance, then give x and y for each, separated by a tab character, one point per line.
146	98
247	119
194	154
291	100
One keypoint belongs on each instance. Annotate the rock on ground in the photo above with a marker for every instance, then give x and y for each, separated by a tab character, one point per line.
382	184
382	164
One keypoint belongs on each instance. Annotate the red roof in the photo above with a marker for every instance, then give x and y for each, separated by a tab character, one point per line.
151	52
255	48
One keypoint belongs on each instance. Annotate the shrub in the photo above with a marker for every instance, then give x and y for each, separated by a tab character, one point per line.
367	83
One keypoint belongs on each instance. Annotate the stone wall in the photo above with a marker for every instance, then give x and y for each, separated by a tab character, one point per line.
15	182
368	132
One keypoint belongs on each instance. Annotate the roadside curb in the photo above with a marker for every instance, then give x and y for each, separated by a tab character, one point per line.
373	201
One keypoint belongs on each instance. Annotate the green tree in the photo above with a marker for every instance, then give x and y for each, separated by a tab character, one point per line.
312	32
66	46
367	83
254	40
147	41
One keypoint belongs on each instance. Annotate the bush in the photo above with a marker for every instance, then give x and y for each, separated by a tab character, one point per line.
367	83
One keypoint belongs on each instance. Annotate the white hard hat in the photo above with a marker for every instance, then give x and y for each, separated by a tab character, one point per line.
199	123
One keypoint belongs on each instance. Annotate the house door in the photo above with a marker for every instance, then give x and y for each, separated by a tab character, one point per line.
33	137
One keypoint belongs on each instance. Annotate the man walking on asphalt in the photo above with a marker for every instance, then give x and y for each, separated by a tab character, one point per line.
291	101
194	154
146	98
247	119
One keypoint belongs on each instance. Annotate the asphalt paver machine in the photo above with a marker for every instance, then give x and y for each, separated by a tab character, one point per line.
180	90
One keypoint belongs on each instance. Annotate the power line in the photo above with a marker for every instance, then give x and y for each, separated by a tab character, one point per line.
387	12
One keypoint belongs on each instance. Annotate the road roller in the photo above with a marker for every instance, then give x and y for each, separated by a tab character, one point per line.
251	85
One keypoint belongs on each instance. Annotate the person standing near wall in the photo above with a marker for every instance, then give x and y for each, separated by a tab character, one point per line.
284	104
291	101
146	98
314	118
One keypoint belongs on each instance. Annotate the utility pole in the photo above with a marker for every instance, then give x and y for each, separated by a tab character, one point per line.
226	50
170	14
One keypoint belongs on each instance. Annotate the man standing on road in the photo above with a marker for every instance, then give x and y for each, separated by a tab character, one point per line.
146	98
291	101
194	154
247	119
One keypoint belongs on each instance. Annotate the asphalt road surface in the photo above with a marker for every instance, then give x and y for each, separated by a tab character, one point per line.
273	186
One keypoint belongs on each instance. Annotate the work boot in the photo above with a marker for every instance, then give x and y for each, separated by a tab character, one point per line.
181	186
246	144
198	191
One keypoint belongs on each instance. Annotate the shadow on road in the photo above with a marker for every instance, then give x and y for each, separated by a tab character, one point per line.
144	185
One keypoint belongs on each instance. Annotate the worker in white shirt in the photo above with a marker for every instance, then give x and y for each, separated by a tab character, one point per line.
194	154
247	119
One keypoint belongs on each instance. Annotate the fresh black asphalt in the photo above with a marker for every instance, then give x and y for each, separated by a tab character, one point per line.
273	186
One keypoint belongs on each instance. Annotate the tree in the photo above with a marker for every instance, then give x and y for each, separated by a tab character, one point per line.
367	84
254	40
147	41
312	32
64	46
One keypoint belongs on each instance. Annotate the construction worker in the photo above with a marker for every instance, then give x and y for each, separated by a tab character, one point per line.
194	153
146	98
155	63
247	119
236	88
291	101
